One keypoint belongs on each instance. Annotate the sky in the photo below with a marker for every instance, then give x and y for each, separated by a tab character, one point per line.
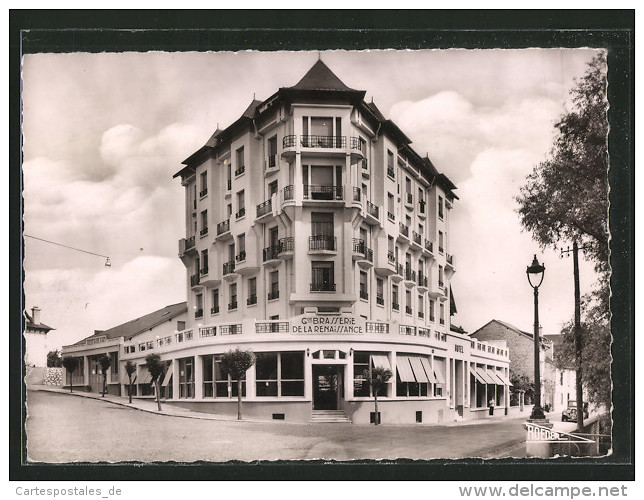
104	133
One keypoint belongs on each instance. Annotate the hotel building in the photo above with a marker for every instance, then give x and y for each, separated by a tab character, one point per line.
319	239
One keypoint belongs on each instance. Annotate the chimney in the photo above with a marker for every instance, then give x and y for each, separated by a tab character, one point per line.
35	315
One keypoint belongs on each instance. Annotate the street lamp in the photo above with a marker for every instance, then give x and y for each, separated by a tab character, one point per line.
536	272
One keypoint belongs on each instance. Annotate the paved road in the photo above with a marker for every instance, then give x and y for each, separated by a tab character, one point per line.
64	428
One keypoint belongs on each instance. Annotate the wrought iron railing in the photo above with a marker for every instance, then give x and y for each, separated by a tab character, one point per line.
199	313
364	295
204	271
429	246
230	329
356	143
375	327
395	306
240	213
287	244
271	253
272	327
264	208
323	192
272	161
356	194
240	170
223	227
289	141
390	216
272	295
232	305
288	192
214	310
390	172
203	192
189	242
323	141
373	210
241	256
229	267
251	300
194	280
380	299
416	238
204	231
322	242
410	274
322	286
404	230
391	258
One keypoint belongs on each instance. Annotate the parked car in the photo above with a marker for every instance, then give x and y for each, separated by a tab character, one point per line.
570	413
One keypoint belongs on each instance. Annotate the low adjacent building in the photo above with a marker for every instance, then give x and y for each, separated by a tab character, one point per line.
35	336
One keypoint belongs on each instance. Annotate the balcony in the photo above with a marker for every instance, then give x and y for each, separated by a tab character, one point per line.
449	265
240	170
251	300
271	253
232	306
274	326
199	313
271	161
408	310
323	141
322	286
264	208
398	273
272	295
364	295
391	216
288	192
187	246
404	231
440	250
230	329
362	253
429	247
323	193
373	213
228	268
384	265
356	194
409	200
241	213
422	282
416	238
286	247
391	173
421	209
203	192
421	314
241	256
410	277
214	310
380	299
395	306
322	243
204	231
229	187
204	271
223	230
194	280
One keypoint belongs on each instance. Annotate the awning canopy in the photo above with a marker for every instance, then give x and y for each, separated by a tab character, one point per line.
404	369
477	376
168	377
482	372
125	380
418	369
497	380
428	370
506	380
380	360
440	379
144	377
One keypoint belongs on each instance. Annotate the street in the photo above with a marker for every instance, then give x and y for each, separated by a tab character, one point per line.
65	428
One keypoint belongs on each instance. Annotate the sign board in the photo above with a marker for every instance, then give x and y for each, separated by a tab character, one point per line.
328	324
546	435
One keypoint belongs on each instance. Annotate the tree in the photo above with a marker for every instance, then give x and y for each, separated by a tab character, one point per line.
54	360
377	379
105	361
156	367
130	368
235	363
70	365
521	383
565	197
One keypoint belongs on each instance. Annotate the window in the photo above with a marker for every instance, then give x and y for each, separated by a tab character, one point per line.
431	310
204	184
217	384
215	301
279	374
229	210
198	305
204	262
440	276
181	325
408	301
252	291
411	376
186	378
204	223
364	362
241	248
421	306
441	203
394	297
241	204
390	164
408	191
272	188
275	286
322	236
390	206
380	298
233	296
322	276
272	151
442	314
364	287
240	165
440	241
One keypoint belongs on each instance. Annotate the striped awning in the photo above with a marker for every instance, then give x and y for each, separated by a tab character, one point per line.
418	369
125	380
144	377
440	379
477	375
404	369
485	375
168	376
428	370
380	360
506	380
497	380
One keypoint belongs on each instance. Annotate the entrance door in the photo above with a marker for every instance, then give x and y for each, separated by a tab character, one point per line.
327	381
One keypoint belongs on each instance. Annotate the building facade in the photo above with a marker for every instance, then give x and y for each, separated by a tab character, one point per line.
35	339
319	239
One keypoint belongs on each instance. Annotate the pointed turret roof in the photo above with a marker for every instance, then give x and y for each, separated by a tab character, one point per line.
320	77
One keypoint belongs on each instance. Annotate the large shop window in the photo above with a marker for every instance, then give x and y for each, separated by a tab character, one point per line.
365	362
414	374
279	374
186	378
217	384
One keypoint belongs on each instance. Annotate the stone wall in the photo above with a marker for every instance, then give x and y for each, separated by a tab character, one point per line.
53	376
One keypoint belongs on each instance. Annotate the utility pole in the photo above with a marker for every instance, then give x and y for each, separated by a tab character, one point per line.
577	333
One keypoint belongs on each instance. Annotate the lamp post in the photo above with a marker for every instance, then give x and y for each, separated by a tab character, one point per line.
536	272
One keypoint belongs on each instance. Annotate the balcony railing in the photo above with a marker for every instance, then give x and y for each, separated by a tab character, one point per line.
364	295
209	331
241	256
410	199
199	313
442	321
422	280
289	141
390	172
441	283
251	300
272	295
229	184
204	271
323	192
403	229
390	257
240	170
365	165
223	227
323	141
355	143
322	242
410	274
416	238
395	306
399	269
272	327
232	305
241	213
214	310
203	192
440	249
229	267
421	314
407	330
287	244
391	216
264	208
190	242
230	329
375	327
271	253
373	210
356	194
359	247
288	192
429	246
380	299
194	280
408	309
322	286
432	318
271	161
421	206
450	259
204	231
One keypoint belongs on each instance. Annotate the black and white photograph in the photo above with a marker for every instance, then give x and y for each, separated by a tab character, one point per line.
316	255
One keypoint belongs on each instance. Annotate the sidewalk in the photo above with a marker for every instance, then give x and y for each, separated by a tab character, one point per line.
150	406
